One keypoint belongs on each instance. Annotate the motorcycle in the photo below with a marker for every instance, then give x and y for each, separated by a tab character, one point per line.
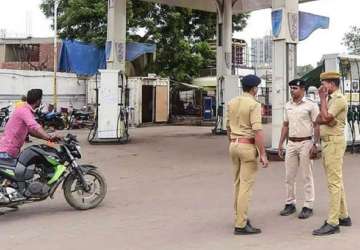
65	116
4	115
80	119
40	169
50	119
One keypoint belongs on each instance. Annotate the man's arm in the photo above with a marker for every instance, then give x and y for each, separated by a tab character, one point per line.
228	132
283	136
313	151
35	128
324	117
316	132
284	133
319	121
41	134
255	121
315	116
316	126
259	142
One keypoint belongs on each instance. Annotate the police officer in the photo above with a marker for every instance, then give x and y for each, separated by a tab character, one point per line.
246	140
332	120
299	127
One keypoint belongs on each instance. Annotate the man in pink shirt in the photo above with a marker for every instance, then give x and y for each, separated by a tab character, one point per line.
21	123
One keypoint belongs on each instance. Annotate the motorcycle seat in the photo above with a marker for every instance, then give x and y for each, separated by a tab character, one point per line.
8	162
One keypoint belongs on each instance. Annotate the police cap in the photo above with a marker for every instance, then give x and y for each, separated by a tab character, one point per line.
250	81
329	75
297	82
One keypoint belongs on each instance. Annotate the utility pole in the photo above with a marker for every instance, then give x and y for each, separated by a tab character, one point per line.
56	4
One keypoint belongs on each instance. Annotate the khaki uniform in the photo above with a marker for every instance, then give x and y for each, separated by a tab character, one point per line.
333	149
301	117
243	118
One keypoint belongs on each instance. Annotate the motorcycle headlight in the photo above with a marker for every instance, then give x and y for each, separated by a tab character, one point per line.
76	151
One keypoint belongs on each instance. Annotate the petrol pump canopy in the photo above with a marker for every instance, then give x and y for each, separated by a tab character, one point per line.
210	5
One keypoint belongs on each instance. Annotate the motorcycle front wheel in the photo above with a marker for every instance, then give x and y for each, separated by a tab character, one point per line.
80	199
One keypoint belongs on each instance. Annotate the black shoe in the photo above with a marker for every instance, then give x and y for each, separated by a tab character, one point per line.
305	213
346	222
289	209
248	229
326	229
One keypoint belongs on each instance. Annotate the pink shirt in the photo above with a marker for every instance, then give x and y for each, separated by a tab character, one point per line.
21	122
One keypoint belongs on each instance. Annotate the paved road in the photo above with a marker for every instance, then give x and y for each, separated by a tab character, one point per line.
171	189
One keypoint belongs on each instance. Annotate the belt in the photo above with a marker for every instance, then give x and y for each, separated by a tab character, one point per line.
299	139
244	140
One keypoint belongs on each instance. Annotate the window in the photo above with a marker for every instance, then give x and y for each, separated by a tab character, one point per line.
22	53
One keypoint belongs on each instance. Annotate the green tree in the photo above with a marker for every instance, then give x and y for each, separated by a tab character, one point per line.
352	40
180	34
84	20
302	70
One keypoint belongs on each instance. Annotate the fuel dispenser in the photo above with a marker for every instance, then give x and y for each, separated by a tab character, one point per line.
350	72
112	109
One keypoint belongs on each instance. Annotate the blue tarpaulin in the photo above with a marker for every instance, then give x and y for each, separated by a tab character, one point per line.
81	58
85	59
134	50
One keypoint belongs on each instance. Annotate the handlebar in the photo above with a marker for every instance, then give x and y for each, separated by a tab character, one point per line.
69	138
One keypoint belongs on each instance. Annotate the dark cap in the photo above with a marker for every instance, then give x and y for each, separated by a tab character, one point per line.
297	82
250	81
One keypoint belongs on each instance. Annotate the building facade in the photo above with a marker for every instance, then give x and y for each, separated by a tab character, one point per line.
240	53
240	57
261	52
27	53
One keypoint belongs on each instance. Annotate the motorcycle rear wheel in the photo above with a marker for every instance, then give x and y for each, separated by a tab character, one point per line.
80	199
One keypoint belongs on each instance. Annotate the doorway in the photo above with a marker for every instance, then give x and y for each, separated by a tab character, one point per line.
147	103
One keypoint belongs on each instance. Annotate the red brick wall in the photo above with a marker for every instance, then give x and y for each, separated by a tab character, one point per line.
46	60
47	55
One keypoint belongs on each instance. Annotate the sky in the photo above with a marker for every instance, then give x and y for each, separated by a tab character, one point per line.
23	17
342	14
